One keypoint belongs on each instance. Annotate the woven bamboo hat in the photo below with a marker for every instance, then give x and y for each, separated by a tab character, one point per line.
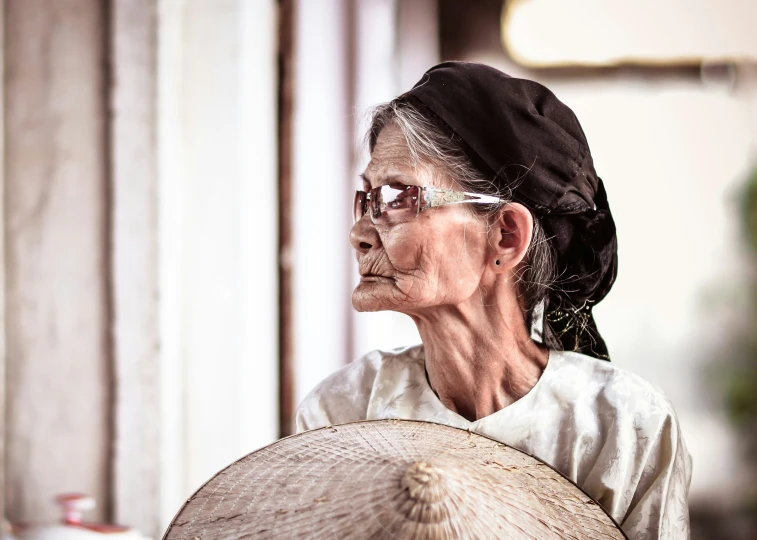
390	479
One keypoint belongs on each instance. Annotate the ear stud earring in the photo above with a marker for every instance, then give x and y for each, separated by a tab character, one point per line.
496	262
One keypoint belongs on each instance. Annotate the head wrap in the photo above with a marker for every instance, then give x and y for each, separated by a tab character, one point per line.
531	145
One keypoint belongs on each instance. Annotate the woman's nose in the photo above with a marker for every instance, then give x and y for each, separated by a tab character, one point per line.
363	235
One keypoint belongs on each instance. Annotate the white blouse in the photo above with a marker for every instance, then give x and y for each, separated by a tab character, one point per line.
609	431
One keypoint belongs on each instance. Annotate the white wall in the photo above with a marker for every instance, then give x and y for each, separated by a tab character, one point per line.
396	43
56	425
643	32
321	203
377	80
135	445
218	237
349	58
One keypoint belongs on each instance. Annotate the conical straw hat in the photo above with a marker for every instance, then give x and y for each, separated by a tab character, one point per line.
390	479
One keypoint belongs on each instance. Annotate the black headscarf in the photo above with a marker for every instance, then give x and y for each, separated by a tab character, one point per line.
531	144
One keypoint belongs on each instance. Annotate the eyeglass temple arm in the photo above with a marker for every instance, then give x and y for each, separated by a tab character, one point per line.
439	197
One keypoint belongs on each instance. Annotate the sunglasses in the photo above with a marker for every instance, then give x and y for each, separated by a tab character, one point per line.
398	203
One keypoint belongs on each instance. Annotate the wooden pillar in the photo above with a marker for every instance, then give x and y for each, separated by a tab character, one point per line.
58	378
2	259
286	82
134	265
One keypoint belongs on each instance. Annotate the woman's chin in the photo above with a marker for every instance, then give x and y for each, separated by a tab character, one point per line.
370	297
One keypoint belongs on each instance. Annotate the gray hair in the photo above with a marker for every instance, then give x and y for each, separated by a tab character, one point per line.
430	140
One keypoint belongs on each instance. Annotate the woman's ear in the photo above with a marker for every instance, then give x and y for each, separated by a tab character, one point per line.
510	236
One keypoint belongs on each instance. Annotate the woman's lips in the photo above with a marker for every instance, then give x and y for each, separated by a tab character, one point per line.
370	278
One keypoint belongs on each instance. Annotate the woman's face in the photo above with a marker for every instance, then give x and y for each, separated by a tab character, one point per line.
438	258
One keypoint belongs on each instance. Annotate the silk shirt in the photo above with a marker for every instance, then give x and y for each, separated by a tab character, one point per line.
611	432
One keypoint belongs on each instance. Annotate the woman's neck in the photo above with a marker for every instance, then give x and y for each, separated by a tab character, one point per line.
479	355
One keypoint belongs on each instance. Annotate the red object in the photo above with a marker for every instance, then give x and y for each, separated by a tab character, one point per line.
74	504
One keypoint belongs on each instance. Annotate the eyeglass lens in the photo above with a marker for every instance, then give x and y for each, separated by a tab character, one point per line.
388	204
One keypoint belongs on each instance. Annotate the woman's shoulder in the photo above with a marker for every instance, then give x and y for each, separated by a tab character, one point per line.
362	372
611	383
641	469
343	396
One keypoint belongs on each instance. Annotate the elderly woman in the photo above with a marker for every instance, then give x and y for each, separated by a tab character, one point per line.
482	218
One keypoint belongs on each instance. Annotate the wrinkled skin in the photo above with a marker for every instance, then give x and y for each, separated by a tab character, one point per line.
437	258
440	269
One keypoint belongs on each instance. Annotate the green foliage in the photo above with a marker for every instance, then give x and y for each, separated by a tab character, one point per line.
741	379
741	395
750	212
741	382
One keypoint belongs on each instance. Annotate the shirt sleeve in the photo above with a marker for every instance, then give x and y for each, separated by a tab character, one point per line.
659	509
340	398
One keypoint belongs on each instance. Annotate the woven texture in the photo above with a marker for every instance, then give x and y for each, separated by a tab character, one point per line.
390	479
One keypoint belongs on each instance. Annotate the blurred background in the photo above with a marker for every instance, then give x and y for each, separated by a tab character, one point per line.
177	182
